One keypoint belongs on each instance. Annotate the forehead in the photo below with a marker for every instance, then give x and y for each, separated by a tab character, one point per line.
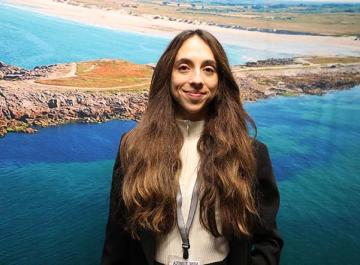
195	48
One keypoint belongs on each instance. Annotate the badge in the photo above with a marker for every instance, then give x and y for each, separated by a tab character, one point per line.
174	260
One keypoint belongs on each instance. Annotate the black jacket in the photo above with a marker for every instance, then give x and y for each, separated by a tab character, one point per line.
263	249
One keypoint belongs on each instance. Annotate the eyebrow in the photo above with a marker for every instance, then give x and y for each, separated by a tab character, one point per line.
188	61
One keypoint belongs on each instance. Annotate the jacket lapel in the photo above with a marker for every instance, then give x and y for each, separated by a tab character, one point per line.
148	244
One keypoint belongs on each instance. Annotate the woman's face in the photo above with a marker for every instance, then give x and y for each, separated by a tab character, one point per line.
194	79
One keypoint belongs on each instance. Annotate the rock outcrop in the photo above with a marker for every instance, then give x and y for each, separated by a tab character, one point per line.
293	81
11	72
26	106
28	110
271	62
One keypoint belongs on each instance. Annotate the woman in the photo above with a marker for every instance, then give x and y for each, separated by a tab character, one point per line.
190	186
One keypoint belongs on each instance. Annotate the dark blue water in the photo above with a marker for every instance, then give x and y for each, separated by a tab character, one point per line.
54	192
54	185
315	145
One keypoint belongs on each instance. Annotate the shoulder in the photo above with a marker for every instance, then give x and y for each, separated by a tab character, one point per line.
118	164
260	150
264	170
123	139
267	192
124	135
257	144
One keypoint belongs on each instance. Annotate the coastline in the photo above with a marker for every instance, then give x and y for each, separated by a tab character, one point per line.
121	21
35	99
27	104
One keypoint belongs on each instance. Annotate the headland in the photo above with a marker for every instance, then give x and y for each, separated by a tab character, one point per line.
102	90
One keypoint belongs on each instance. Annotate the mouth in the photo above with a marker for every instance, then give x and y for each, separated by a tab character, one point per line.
194	94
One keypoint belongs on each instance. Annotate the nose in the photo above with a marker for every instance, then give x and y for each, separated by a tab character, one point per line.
196	80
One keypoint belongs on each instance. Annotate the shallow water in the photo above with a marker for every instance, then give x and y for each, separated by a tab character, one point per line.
54	185
28	39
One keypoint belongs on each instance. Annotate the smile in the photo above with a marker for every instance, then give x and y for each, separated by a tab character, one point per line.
194	95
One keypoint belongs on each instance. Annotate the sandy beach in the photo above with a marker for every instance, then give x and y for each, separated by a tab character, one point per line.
120	20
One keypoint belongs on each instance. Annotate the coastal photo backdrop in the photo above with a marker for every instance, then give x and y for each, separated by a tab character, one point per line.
74	76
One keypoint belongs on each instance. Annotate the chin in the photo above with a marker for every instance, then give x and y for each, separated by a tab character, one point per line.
193	111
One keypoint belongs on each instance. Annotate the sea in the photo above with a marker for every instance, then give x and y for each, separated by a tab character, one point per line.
54	184
29	39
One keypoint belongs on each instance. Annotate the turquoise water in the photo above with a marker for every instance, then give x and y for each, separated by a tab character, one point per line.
54	190
54	185
28	39
315	146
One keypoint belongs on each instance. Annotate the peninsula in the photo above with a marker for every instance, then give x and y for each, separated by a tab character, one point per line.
102	90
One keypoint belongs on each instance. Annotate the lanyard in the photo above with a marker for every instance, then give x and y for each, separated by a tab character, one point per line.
184	230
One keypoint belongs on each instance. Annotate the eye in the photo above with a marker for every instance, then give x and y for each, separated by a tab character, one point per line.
183	68
209	70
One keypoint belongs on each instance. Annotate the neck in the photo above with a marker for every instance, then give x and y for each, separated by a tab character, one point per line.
201	115
190	128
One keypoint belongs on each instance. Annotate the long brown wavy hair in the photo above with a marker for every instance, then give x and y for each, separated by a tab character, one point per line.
150	154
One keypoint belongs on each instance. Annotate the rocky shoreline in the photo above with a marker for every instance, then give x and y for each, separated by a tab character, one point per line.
26	111
255	86
11	72
26	106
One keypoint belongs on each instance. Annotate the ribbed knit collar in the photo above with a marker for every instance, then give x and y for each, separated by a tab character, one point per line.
191	128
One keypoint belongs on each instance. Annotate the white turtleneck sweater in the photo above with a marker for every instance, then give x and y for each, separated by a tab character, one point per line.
203	245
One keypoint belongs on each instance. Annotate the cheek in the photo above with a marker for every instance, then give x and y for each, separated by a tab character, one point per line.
212	83
174	85
178	80
174	82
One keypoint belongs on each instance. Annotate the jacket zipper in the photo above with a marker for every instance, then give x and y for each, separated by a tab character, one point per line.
187	126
